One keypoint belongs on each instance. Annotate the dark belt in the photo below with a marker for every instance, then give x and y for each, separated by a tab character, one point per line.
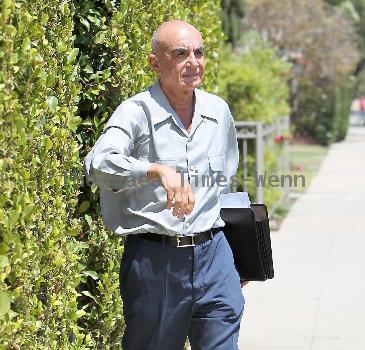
181	240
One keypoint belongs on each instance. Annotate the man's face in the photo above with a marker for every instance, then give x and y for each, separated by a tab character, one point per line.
180	60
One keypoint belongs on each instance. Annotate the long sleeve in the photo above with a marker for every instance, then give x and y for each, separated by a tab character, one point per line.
231	155
115	160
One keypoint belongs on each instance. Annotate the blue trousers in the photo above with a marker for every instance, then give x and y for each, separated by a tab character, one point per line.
170	293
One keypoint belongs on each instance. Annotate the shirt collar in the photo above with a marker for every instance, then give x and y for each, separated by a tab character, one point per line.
203	107
164	109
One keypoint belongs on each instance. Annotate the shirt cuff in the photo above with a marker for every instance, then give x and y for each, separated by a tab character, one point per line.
139	169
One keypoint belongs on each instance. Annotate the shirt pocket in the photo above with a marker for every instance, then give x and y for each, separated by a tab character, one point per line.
216	163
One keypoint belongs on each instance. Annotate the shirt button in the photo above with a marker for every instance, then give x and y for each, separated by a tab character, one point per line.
187	224
189	139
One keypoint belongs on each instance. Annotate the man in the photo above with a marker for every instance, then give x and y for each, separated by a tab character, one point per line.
160	164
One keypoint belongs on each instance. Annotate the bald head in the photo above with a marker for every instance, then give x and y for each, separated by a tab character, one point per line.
170	31
178	56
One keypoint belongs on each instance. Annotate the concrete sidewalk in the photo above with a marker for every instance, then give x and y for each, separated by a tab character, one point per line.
317	299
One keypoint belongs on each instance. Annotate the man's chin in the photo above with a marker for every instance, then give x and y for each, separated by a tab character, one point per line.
192	82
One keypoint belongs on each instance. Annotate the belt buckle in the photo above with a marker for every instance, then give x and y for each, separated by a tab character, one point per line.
185	245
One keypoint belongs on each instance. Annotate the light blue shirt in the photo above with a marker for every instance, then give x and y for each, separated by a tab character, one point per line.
145	129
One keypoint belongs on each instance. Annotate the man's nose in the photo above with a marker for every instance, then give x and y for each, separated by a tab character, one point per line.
192	61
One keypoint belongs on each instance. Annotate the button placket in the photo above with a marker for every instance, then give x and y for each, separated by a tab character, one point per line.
187	158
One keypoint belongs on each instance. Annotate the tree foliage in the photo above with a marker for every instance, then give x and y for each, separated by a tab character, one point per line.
232	14
320	41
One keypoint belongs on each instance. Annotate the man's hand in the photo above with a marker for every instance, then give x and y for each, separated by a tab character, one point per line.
243	283
178	193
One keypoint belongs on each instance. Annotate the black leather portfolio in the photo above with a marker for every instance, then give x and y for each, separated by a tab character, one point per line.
248	233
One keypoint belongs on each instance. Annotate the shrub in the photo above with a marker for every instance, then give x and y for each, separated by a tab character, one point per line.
254	83
62	64
39	257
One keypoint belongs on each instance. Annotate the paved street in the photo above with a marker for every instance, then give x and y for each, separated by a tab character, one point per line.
317	299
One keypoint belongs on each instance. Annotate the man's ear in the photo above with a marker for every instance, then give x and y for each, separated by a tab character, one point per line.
152	60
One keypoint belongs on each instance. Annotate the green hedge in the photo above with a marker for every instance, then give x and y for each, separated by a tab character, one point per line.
325	110
66	63
342	107
39	259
